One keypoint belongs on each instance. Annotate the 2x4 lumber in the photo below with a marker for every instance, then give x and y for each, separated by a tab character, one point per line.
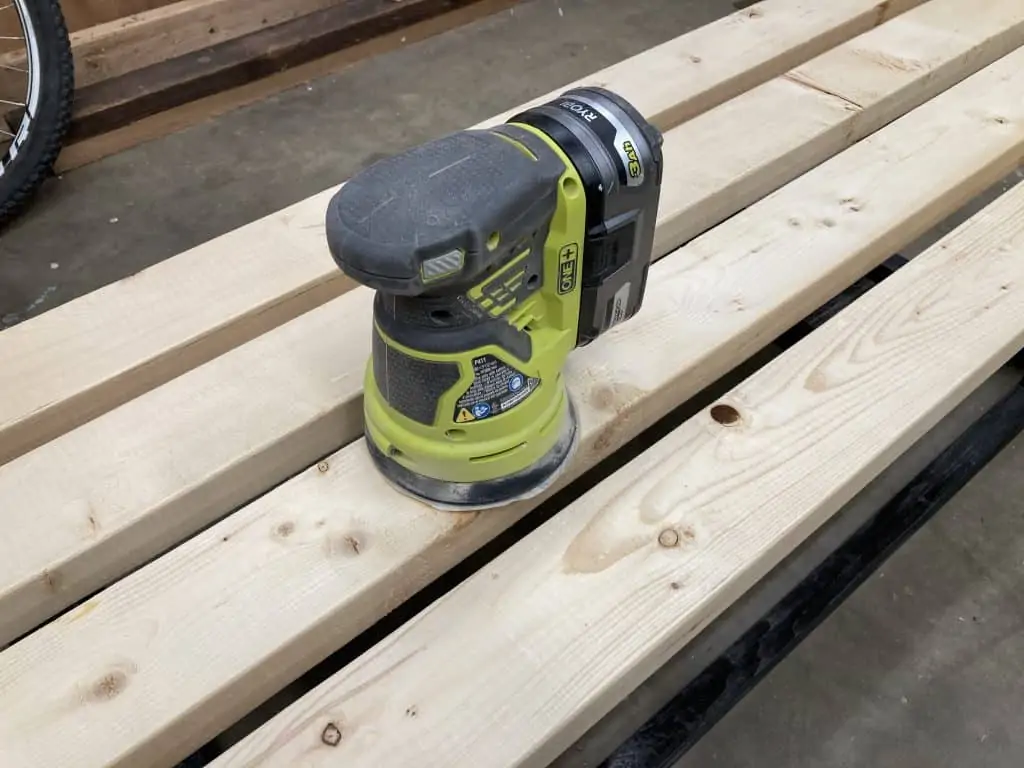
162	660
827	104
142	39
118	101
87	356
602	595
98	526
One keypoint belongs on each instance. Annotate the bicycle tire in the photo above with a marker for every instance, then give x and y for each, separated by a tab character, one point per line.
28	162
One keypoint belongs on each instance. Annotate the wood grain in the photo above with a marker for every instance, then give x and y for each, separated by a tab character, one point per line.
827	104
317	412
193	640
98	351
82	14
517	662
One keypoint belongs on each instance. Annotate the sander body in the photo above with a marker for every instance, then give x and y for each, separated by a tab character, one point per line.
494	253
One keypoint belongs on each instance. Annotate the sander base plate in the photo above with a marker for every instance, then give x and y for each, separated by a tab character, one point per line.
488	494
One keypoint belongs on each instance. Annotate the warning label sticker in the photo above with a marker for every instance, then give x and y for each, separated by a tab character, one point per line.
497	388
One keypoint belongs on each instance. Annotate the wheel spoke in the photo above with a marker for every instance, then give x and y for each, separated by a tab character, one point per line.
8	37
5	132
10	68
10	103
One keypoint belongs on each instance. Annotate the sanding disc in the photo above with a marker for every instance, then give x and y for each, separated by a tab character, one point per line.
463	497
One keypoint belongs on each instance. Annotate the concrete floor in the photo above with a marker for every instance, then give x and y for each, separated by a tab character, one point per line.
921	667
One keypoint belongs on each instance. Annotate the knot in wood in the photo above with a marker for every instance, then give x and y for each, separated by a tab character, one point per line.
331	735
669	538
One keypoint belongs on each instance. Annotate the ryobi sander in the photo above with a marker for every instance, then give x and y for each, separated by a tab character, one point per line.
494	253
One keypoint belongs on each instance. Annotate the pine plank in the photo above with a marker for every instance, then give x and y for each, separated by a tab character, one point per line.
229	430
599	597
866	82
187	644
83	358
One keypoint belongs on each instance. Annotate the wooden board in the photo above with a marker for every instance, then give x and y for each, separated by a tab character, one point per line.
602	595
129	42
82	14
335	548
178	118
118	101
825	105
85	357
101	526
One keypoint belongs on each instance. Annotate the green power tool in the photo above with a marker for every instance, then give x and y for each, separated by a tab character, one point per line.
494	253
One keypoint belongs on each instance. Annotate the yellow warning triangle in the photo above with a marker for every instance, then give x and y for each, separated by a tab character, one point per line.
464	416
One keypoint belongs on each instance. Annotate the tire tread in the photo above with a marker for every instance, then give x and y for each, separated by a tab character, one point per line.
51	129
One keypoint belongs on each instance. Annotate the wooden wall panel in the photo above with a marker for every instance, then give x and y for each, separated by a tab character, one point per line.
81	14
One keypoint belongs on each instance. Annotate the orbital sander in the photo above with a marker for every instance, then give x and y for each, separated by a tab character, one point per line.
493	253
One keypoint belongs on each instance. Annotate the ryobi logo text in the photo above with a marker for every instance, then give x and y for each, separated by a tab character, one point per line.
580	109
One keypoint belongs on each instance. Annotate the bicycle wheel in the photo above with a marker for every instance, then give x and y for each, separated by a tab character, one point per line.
36	93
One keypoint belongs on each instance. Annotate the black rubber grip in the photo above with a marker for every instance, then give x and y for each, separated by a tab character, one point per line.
438	216
410	385
446	325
